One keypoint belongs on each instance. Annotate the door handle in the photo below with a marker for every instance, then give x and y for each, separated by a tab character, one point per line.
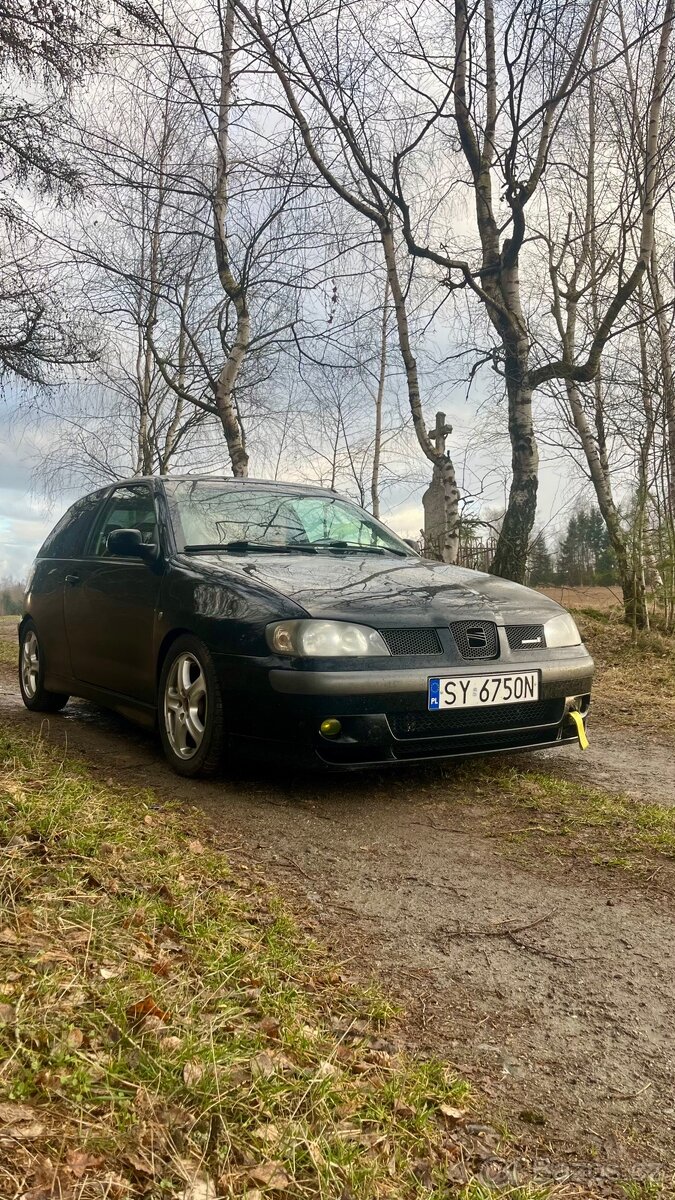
72	580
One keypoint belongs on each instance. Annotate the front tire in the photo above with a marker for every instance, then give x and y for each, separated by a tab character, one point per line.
190	709
34	694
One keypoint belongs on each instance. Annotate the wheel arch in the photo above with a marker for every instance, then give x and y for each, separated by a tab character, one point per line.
166	644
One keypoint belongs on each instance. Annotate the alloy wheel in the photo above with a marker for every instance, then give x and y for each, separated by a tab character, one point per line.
185	703
30	664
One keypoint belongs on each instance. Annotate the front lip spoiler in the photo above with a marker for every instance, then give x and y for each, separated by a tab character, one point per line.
570	672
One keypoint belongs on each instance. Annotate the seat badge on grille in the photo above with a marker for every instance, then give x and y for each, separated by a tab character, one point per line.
477	638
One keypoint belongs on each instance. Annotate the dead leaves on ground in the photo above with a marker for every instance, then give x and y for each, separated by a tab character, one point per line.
271	1175
147	1007
20	1123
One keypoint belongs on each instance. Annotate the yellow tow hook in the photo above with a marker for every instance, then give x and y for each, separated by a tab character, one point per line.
576	716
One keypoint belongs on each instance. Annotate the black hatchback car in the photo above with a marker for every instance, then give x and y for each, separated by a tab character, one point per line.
282	618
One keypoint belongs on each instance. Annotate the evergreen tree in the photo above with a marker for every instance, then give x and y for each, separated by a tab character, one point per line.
540	563
585	557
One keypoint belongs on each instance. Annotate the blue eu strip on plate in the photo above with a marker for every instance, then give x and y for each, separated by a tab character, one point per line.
434	693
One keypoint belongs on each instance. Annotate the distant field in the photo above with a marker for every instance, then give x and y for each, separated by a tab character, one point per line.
602	598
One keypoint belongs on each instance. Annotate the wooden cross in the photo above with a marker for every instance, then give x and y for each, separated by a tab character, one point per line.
439	433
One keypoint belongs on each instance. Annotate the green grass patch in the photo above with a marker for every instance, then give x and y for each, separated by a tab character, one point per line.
617	825
166	1030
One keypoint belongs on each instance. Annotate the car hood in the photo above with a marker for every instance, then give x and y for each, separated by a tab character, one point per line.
373	589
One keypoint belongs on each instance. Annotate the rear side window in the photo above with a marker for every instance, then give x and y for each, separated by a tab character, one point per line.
67	539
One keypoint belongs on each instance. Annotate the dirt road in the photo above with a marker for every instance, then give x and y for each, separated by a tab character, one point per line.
547	978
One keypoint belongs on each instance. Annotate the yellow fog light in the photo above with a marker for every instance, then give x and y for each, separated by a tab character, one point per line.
330	728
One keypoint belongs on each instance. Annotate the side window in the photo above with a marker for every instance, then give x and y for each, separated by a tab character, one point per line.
127	508
67	539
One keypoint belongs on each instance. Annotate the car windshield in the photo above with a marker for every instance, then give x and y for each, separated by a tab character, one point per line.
209	514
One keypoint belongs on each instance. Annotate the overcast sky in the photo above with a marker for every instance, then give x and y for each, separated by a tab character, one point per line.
26	516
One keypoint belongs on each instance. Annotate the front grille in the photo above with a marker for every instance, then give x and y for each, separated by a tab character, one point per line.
526	637
412	641
476	720
476	639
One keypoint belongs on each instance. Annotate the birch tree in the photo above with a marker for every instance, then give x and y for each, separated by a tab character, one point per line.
322	94
606	254
485	90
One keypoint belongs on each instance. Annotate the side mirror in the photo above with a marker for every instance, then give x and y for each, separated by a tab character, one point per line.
128	543
413	544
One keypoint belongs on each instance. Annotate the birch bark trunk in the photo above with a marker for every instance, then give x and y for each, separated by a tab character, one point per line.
442	461
225	398
379	399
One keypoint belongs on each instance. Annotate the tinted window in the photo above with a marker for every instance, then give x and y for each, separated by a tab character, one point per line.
128	508
67	539
213	513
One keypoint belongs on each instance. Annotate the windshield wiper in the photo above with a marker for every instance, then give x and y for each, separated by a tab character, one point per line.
365	549
243	545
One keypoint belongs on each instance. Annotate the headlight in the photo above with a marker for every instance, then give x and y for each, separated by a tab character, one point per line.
561	631
324	639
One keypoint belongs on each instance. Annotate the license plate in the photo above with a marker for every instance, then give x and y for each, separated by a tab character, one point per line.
477	691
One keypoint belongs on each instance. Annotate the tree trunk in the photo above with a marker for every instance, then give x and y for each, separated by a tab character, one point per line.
379	398
233	288
667	377
631	585
513	543
440	460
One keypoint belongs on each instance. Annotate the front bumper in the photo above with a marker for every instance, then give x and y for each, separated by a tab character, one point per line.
384	716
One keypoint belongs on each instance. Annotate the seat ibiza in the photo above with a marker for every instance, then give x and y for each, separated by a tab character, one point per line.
282	619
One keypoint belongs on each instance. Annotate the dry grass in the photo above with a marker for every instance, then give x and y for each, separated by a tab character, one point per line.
166	1031
635	683
9	647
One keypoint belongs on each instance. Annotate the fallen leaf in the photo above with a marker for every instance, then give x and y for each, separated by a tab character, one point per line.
9	1113
25	1131
270	1027
138	1163
152	1025
266	1064
8	937
267	1133
7	1014
110	972
199	1188
239	1074
74	1039
77	937
195	846
451	1113
170	1043
192	1072
147	1007
161	967
271	1175
147	820
80	1161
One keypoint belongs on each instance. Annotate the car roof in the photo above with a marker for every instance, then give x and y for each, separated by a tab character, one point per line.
230	480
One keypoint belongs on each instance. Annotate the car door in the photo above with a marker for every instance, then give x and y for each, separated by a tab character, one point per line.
57	558
110	602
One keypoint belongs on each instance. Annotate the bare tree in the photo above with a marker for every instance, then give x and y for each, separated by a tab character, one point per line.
507	77
592	258
306	83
